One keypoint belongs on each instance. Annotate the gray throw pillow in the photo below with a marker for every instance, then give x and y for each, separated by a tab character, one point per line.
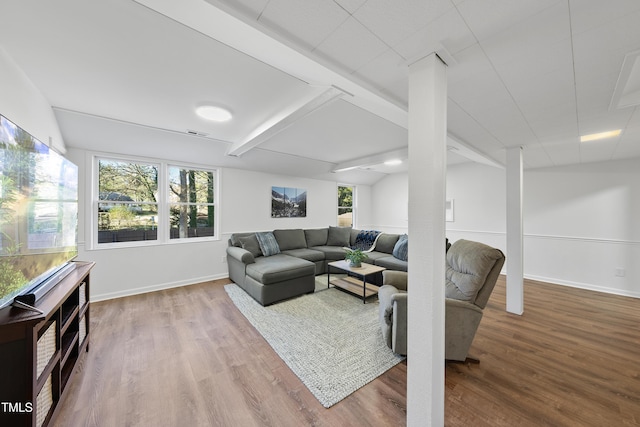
268	243
401	248
339	236
250	243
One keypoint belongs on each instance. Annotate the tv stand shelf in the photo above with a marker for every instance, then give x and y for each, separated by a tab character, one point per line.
39	352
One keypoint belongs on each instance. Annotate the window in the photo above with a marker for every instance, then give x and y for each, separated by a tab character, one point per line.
142	202
346	206
127	201
191	207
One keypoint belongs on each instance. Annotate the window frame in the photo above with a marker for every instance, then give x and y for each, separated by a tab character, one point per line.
163	203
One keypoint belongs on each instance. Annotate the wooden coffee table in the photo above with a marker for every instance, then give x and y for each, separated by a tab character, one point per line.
352	284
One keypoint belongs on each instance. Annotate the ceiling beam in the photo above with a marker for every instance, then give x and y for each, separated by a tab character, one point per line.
284	119
377	159
221	26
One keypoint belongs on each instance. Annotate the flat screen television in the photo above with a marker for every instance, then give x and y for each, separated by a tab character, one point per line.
38	215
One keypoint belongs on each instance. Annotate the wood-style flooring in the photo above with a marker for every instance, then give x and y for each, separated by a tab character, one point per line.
188	357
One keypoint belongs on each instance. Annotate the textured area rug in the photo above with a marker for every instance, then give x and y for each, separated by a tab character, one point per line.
329	339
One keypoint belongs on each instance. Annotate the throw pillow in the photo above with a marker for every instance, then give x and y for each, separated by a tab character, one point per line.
339	236
251	244
268	243
366	240
401	249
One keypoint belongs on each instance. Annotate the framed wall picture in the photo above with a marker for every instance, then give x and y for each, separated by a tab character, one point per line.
288	202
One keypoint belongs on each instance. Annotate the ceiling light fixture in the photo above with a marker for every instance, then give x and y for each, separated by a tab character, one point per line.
393	162
601	135
213	113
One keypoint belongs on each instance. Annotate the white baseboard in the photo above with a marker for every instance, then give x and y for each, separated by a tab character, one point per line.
586	286
154	288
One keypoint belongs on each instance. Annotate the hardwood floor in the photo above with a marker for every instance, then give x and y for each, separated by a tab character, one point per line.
186	356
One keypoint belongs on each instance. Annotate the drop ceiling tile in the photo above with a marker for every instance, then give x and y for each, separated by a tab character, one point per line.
389	74
351	5
535	156
466	129
395	21
338	132
489	17
448	30
563	153
589	14
620	36
351	46
307	24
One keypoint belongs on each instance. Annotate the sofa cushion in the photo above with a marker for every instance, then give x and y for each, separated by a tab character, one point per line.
304	253
331	253
279	267
290	239
339	236
386	243
316	237
463	283
268	243
401	248
251	244
392	263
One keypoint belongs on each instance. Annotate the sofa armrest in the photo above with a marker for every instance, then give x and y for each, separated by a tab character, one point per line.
397	279
242	255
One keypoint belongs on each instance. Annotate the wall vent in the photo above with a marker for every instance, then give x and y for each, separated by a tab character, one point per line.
196	133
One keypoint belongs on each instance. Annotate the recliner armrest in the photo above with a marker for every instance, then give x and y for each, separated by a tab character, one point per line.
398	279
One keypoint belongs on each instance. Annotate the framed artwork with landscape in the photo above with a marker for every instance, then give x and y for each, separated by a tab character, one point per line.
288	202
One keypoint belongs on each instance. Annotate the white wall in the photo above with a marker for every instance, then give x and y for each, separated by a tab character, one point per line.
580	222
244	195
245	203
22	103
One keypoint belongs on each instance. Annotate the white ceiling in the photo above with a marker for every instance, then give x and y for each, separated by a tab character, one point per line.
536	74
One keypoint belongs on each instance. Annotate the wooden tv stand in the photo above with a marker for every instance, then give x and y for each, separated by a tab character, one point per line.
39	352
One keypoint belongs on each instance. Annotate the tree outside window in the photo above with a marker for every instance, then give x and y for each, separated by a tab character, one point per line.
191	203
345	206
127	201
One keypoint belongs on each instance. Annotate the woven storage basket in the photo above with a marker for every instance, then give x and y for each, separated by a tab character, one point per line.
46	348
83	294
44	401
83	329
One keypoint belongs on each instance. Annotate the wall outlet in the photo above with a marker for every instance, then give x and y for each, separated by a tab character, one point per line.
620	272
224	259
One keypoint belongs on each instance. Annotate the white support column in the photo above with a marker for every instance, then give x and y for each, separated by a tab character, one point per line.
515	270
427	177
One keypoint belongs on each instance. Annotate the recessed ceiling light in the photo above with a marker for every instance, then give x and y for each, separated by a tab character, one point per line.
393	162
601	135
213	113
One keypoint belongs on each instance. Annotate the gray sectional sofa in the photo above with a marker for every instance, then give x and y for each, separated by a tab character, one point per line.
299	257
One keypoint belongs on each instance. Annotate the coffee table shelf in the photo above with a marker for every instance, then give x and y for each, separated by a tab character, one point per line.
354	285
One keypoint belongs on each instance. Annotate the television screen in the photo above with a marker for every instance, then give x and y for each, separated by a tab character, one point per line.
38	212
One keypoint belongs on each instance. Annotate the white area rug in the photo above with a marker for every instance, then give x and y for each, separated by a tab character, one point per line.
329	339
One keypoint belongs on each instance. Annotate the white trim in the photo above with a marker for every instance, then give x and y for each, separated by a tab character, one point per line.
154	288
585	286
549	237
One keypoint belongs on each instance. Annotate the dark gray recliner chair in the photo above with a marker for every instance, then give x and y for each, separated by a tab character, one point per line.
471	274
